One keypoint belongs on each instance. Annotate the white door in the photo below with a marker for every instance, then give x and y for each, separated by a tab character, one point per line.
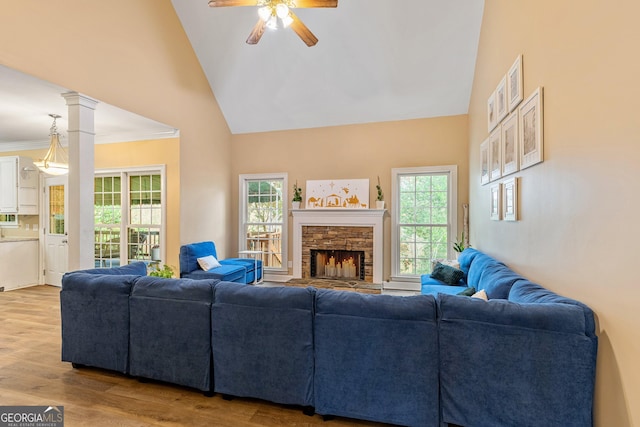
55	230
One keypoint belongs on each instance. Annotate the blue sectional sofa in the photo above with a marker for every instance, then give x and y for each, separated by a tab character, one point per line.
526	357
241	270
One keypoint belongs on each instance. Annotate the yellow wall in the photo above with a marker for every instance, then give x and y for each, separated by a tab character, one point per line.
356	151
136	56
579	208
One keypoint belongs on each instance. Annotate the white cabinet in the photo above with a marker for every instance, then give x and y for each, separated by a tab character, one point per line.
18	186
18	263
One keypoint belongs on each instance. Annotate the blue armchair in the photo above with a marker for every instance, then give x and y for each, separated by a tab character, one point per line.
190	268
241	270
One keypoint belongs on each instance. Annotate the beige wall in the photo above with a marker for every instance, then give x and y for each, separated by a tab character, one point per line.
579	224
136	56
356	151
132	154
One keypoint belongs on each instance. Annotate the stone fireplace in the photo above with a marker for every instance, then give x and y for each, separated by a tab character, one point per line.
353	237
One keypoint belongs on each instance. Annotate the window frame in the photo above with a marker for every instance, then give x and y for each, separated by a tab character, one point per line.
243	179
125	223
413	281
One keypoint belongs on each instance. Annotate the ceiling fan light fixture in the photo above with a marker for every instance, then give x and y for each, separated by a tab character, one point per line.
272	23
282	10
286	21
264	13
55	161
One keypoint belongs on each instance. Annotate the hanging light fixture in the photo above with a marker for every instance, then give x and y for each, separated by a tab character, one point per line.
55	162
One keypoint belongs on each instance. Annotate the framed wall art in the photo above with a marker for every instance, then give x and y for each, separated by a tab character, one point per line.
495	203
510	160
510	199
337	194
501	100
514	84
495	155
531	130
492	119
484	162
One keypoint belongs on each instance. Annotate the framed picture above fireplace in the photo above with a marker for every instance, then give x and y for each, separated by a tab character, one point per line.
337	194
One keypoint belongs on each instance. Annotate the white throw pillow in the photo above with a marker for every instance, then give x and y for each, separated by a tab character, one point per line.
481	295
208	262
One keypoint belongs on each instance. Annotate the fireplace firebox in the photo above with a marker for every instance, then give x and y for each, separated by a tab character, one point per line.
332	264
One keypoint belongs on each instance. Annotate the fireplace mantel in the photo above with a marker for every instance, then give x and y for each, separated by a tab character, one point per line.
339	217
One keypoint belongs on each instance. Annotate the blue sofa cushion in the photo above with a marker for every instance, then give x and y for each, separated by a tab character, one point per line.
376	357
496	280
135	268
524	291
262	339
170	338
506	363
190	253
94	310
447	274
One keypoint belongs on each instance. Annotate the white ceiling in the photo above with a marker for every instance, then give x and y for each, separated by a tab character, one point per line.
376	60
25	105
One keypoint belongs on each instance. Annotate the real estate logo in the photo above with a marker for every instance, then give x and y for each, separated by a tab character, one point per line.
31	416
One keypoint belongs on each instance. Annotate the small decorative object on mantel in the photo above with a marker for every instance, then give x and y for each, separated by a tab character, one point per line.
337	194
297	196
380	196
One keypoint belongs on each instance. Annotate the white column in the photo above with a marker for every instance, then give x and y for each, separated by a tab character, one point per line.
81	137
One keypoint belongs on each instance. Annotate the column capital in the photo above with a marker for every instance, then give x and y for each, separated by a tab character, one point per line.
75	98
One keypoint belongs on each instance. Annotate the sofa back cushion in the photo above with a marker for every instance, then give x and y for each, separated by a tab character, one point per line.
262	340
524	291
177	289
376	357
135	268
190	253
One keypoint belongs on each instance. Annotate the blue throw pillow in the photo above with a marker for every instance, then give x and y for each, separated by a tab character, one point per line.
447	274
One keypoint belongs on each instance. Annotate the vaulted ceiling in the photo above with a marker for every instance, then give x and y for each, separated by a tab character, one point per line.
376	60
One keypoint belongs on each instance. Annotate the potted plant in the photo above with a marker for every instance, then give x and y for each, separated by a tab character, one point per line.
166	271
297	196
460	244
380	196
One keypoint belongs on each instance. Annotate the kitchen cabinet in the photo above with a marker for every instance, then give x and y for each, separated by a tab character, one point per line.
18	186
18	262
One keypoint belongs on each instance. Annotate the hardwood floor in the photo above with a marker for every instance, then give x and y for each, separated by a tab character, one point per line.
31	373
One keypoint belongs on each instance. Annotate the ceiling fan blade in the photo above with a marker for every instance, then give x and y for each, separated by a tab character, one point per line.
224	3
302	31
315	3
257	32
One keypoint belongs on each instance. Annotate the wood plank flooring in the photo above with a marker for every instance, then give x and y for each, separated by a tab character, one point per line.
31	373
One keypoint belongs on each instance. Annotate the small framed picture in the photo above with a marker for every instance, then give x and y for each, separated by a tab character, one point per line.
531	130
495	202
492	119
495	155
510	160
501	100
484	162
510	199
514	84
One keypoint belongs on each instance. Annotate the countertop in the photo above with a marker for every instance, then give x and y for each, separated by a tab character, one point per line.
8	239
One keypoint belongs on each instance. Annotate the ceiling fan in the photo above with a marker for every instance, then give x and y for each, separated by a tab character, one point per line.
272	10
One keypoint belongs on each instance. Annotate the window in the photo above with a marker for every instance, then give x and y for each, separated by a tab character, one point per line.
129	217
263	218
424	219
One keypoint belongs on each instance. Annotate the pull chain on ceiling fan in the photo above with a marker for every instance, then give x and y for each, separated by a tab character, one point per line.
271	11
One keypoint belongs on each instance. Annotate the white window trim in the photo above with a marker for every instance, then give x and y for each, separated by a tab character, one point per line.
124	189
242	209
413	282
